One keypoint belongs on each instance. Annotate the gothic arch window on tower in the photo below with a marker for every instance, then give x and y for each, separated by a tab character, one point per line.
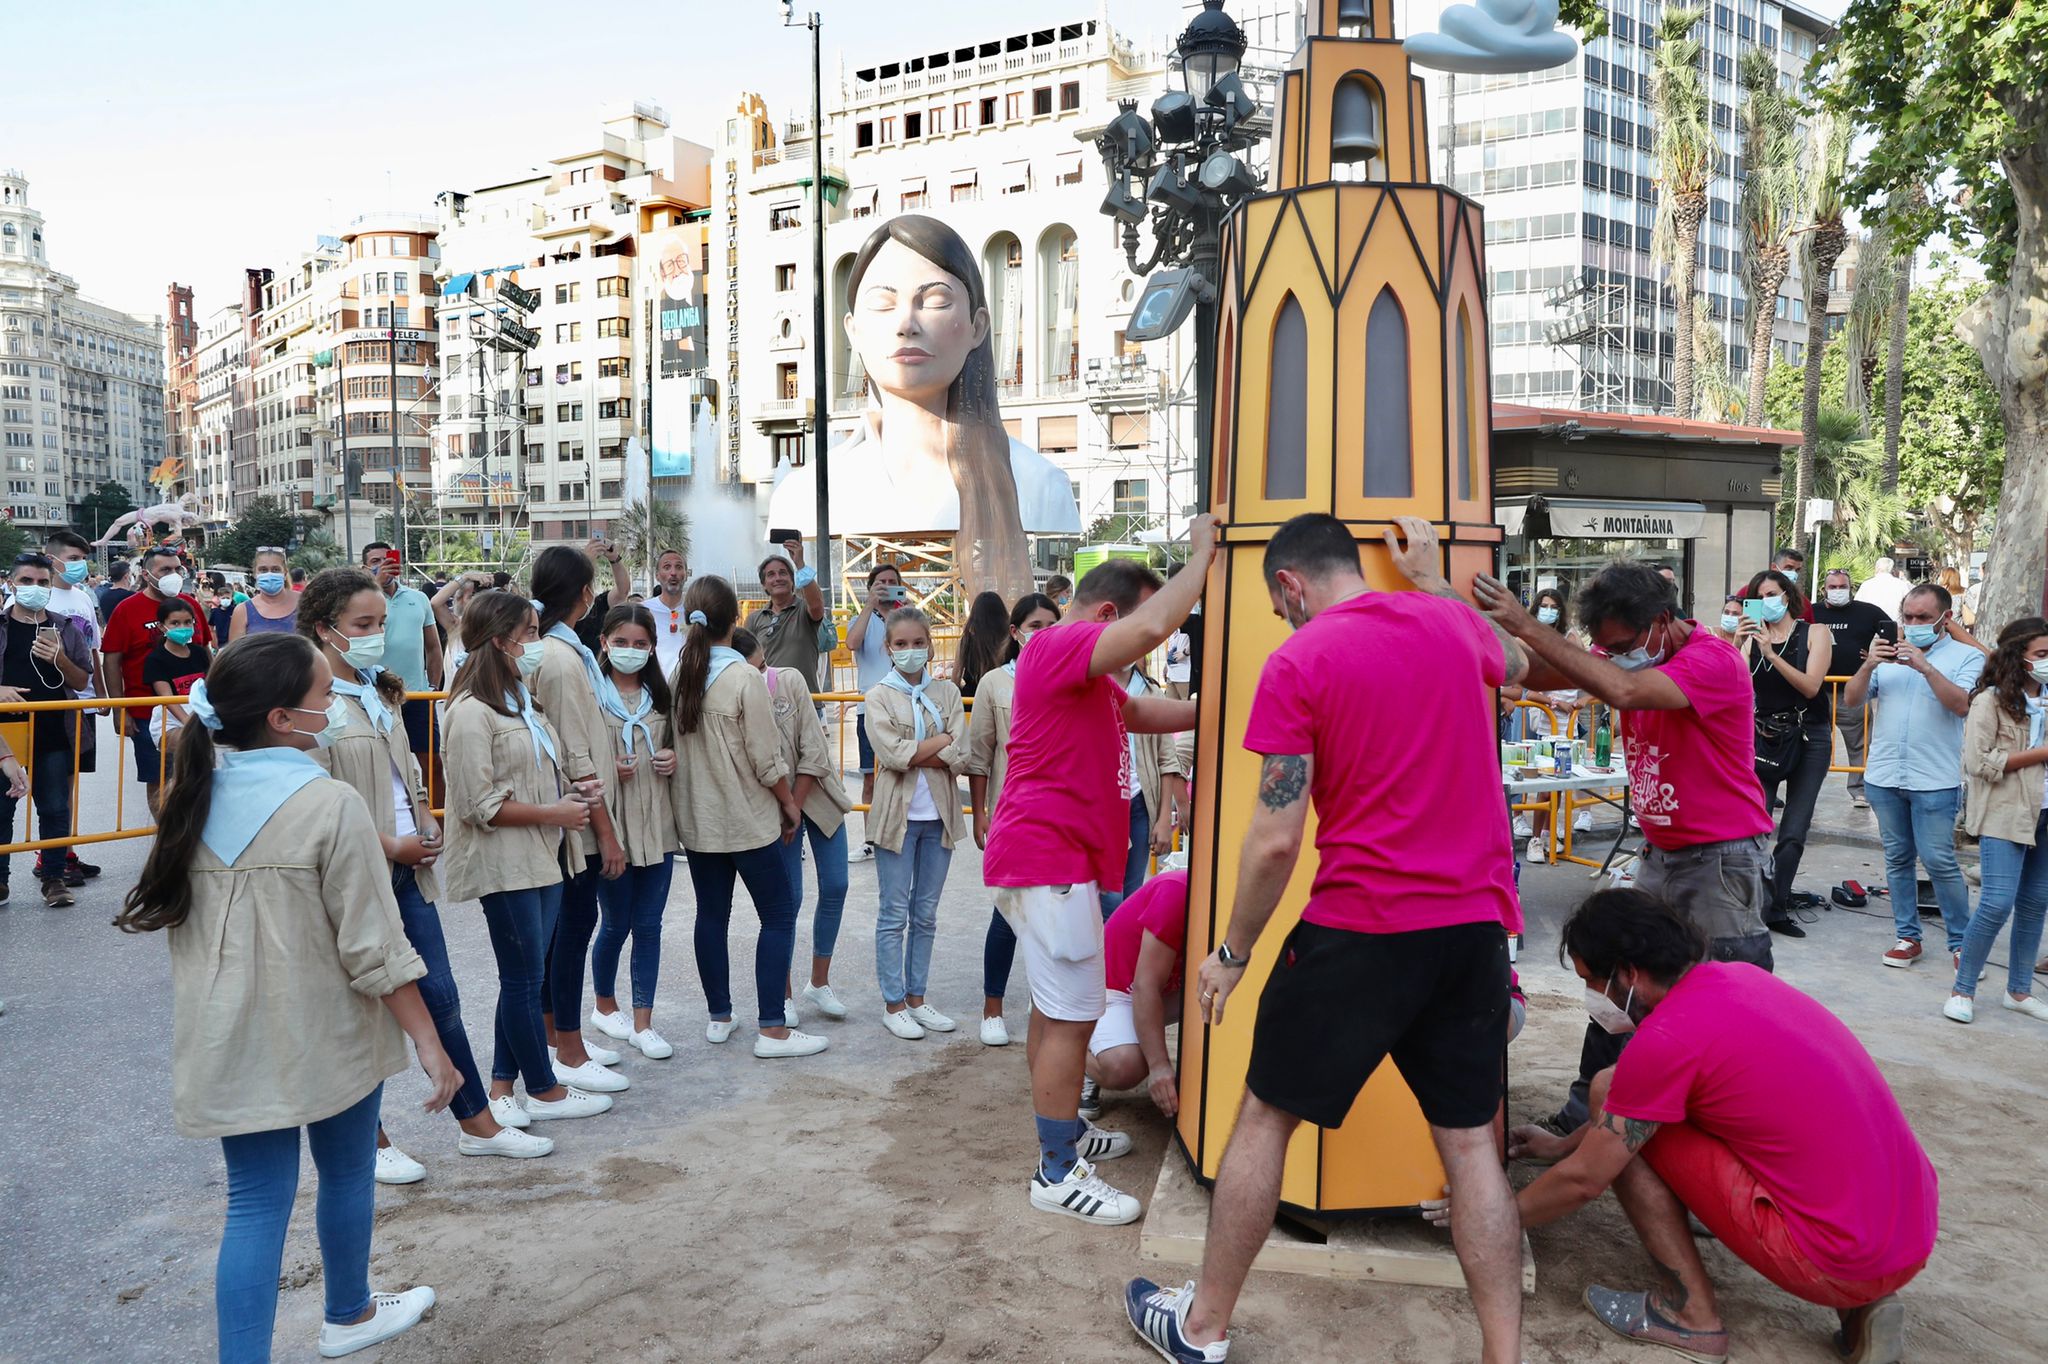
1388	469
1462	394
1287	405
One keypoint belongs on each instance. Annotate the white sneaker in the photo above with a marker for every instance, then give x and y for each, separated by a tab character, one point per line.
2030	1006
506	1109
824	1001
1098	1144
796	1044
604	1056
576	1103
719	1029
592	1078
1524	827
396	1167
1582	821
1084	1195
1537	855
1091	1100
1961	1008
651	1045
930	1019
862	852
617	1026
508	1141
995	1032
902	1024
392	1314
1955	960
789	1013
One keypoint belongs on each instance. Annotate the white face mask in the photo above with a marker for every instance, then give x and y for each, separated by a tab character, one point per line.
337	719
2039	668
909	662
363	651
530	655
1609	1016
1838	596
626	659
171	584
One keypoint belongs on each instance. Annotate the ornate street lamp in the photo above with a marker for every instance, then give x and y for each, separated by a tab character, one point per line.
1184	168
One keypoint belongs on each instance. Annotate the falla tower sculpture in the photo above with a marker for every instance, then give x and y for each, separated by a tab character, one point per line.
1352	379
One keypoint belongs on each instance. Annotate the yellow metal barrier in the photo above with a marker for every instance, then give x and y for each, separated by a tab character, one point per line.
1835	685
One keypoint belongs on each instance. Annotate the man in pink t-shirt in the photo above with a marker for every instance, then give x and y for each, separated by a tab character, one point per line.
1379	710
1144	948
1732	1103
1062	829
1688	730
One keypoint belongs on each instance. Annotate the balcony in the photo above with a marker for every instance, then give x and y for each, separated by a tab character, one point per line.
781	414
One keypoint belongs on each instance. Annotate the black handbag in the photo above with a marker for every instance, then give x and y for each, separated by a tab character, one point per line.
1777	744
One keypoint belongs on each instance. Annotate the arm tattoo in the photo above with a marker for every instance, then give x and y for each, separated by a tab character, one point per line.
1282	781
1634	1132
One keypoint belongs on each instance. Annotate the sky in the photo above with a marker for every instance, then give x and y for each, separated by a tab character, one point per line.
187	141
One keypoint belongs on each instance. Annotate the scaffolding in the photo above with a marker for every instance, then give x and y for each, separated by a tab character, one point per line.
1592	323
489	474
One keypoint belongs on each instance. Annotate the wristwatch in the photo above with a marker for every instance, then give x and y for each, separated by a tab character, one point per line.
1230	958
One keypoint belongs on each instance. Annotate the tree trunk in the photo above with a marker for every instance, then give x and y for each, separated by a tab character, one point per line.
1687	212
1771	264
1895	372
1829	241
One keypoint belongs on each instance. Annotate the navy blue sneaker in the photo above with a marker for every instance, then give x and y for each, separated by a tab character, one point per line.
1156	1315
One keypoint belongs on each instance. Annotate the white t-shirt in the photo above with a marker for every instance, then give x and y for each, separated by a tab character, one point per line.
1134	687
83	607
1179	662
401	806
1886	593
671	629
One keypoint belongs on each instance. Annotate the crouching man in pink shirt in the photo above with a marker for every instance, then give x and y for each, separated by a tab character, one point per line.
1730	1103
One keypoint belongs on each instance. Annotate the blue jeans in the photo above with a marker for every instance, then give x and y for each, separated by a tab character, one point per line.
829	855
998	954
562	981
1137	858
522	923
1921	825
50	790
263	1179
767	881
2015	887
907	919
632	904
437	988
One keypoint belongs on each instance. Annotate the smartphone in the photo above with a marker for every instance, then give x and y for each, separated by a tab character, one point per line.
780	537
899	595
1753	607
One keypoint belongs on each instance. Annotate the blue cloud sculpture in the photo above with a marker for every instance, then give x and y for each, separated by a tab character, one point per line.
1494	37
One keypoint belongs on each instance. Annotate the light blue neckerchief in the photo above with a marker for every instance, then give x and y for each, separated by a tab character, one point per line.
919	702
1011	667
600	686
365	691
2037	719
521	702
248	788
615	706
721	659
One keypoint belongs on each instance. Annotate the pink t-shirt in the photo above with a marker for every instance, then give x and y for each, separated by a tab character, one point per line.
1068	752
1692	772
1160	908
1392	694
1744	1057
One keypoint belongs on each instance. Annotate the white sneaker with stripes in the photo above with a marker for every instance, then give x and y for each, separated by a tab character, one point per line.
1084	1195
1099	1143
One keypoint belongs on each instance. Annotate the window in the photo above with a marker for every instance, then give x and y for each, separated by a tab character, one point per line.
610	489
615	286
962	117
915	199
864	134
612	367
570	492
1013	105
615	326
784	215
1041	101
1070	96
785	381
569	449
935	122
580	215
615	409
913	125
1131	497
401	282
568	331
1466	401
789	449
988	110
535	415
568	293
568	412
888	130
1388	470
785	278
535	453
1287	410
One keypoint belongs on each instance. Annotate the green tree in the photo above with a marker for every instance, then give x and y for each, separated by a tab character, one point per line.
100	508
1686	151
13	539
643	534
1821	245
264	521
1772	202
1952	94
1869	323
1117	528
317	551
1952	438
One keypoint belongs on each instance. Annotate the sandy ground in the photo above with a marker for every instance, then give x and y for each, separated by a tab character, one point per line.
868	1204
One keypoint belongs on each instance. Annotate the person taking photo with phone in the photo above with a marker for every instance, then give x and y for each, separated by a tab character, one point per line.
789	625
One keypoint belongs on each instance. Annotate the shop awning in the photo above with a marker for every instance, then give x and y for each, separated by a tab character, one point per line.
1016	176
458	284
1587	518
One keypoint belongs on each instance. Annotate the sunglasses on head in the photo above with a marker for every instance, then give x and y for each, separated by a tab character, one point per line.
270	549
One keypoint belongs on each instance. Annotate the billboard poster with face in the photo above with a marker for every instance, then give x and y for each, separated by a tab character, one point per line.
678	286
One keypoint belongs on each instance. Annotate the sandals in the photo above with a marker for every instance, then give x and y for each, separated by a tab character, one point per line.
1631	1315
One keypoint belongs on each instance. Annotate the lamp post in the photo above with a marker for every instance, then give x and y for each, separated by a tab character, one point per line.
820	381
1186	161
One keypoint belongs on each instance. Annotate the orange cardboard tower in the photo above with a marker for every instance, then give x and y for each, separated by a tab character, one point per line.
1352	379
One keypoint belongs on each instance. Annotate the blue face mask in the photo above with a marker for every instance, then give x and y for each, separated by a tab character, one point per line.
1772	609
1921	636
1731	623
1546	615
75	571
1639	657
270	584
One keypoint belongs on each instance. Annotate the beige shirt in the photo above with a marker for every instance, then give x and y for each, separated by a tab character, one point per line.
279	972
725	771
1998	803
643	811
988	733
363	758
489	759
809	755
562	687
891	733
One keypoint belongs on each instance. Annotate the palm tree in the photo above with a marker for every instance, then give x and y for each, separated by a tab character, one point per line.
1869	321
643	532
1772	189
1895	358
1685	161
1821	247
1716	397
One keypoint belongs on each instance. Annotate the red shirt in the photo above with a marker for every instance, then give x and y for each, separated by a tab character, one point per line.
1746	1058
1068	759
132	631
1160	907
1392	693
1692	772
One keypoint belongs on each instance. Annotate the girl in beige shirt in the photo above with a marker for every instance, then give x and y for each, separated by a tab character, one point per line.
918	730
508	809
291	981
734	808
636	709
988	757
342	612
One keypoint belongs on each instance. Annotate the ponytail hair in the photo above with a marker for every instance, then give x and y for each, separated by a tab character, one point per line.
633	613
487	674
247	680
560	573
322	602
712	598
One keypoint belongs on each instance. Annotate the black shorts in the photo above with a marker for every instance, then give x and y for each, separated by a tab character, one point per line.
419	724
1338	1003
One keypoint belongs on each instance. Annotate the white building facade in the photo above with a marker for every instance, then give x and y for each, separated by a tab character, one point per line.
286	461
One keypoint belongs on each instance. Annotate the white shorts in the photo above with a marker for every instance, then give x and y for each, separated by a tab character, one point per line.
1118	1026
1059	929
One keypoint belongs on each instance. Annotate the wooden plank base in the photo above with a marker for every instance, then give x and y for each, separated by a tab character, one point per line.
1388	1250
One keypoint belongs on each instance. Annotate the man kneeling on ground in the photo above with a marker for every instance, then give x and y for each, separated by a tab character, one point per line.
1731	1103
1143	954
